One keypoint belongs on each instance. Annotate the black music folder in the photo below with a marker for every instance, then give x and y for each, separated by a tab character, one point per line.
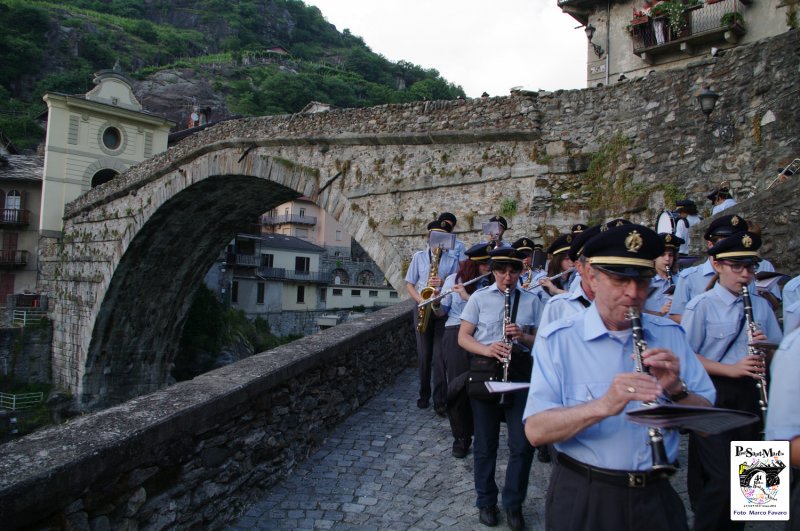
711	420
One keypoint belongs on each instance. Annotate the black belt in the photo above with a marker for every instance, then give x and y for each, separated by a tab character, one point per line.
619	478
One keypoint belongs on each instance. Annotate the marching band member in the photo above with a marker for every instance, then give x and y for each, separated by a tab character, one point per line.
559	263
456	359
448	222
583	380
498	238
524	247
483	333
659	300
693	281
783	416
721	198
429	356
715	326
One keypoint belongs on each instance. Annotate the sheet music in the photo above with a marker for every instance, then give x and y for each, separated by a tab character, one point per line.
505	387
702	419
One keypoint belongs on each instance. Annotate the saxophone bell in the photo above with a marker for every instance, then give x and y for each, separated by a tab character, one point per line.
427	293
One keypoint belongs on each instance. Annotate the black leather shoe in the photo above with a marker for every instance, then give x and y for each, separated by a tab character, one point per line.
440	410
488	515
515	519
423	403
461	448
544	454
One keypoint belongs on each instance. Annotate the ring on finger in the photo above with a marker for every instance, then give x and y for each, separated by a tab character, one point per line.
631	389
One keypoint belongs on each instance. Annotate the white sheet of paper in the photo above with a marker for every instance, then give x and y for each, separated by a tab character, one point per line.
505	387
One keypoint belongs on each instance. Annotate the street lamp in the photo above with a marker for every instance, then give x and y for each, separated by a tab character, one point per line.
598	50
724	129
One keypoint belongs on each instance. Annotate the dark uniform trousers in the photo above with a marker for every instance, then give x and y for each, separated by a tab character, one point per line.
577	503
487	416
456	364
429	359
709	473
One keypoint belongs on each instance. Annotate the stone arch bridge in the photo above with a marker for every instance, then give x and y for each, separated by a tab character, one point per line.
134	250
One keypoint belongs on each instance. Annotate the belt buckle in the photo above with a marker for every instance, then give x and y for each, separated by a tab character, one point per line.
637	480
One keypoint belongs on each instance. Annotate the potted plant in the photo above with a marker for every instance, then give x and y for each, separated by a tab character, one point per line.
658	12
731	18
640	17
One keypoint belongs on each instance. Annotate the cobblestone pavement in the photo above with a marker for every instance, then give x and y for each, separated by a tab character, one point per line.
389	466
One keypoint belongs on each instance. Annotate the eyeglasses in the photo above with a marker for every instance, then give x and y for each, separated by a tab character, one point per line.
737	267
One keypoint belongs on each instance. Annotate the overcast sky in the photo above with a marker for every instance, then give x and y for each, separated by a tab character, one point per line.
488	45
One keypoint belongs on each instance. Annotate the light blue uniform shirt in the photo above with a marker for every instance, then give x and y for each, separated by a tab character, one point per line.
575	281
783	415
452	303
791	317
791	294
712	320
575	360
728	203
420	266
690	283
458	252
485	309
658	299
563	305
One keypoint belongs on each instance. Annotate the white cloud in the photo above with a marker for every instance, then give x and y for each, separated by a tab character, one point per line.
481	45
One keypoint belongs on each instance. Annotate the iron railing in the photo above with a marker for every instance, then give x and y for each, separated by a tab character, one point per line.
279	273
289	218
13	258
708	21
14	216
21	401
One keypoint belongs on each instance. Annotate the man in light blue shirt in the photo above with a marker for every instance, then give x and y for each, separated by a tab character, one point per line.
448	222
428	353
791	295
721	199
583	381
659	298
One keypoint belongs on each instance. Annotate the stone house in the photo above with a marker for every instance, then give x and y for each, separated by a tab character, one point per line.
630	38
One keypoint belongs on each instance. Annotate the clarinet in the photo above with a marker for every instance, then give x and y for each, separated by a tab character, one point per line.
753	350
657	449
670	281
507	339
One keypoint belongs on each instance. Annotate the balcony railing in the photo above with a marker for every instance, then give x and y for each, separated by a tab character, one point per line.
279	273
289	218
721	21
13	258
14	216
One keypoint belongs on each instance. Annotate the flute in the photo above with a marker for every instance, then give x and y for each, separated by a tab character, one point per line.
449	291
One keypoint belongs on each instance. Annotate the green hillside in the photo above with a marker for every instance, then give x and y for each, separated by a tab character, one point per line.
57	46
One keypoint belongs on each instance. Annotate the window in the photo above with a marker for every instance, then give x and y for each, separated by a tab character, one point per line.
301	294
373	293
235	291
285	211
302	264
392	294
112	138
301	233
338	235
323	294
302	212
337	292
267	259
14	200
355	292
260	293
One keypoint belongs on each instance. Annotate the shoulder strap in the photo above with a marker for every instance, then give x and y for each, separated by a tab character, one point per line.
516	305
732	341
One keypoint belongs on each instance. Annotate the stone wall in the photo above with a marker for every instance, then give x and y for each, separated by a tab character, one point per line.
194	454
25	353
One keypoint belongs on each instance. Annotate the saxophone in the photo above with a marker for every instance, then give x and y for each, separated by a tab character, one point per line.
424	312
753	350
657	449
527	283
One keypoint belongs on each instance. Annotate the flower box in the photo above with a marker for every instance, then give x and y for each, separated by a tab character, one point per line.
636	21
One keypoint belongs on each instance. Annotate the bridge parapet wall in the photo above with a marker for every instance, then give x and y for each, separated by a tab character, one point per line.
192	455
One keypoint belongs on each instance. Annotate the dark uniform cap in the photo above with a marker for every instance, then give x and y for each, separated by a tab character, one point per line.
723	191
501	220
435	226
670	240
479	252
578	227
685	204
725	226
538	247
576	249
505	255
627	250
561	244
523	244
450	218
740	247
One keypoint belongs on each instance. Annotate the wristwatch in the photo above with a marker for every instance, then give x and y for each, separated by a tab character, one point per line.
680	395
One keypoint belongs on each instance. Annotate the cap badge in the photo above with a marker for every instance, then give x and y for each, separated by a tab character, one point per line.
734	221
603	227
569	238
668	238
633	242
619	224
747	241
